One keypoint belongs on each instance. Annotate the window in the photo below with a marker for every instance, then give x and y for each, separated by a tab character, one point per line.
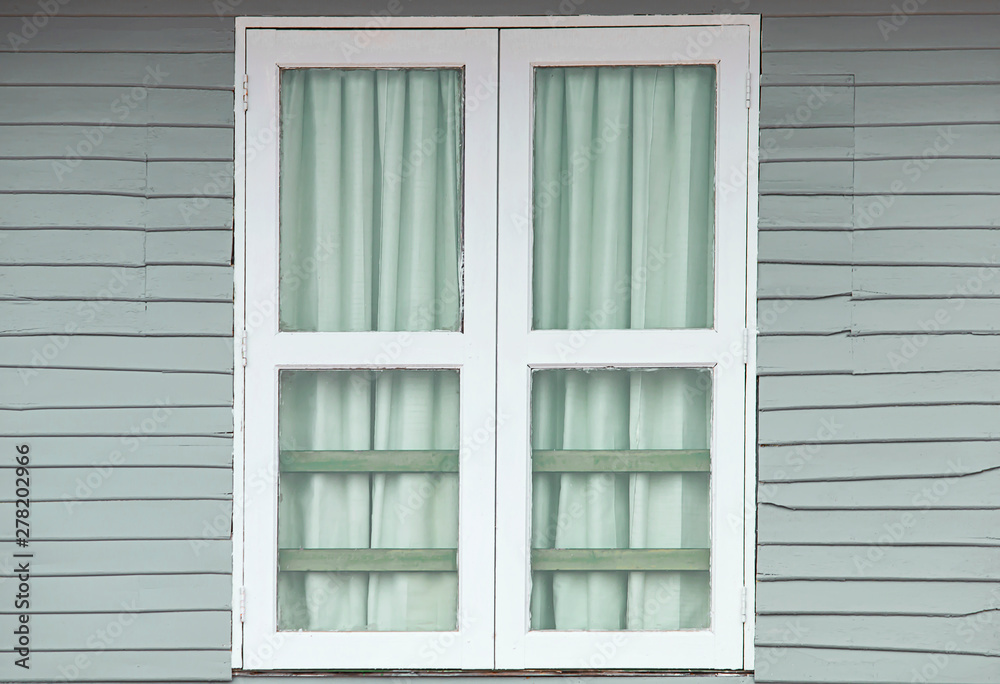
494	304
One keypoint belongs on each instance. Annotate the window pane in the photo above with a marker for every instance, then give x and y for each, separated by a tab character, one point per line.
620	499
368	500
370	199
624	206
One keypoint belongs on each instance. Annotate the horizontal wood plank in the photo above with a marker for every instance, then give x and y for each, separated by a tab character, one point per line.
190	247
96	105
110	34
161	420
954	491
116	317
72	246
829	177
803	280
195	354
890	66
126	630
880	528
877	562
907	633
61	388
819	212
113	557
886	460
121	483
901	316
84	520
141	593
867	597
950	104
135	68
926	211
921	352
804	354
148	450
882	389
793	316
878	33
920	141
872	282
628	461
926	174
377	461
956	246
592	560
880	423
842	666
794	143
71	144
805	246
368	560
108	665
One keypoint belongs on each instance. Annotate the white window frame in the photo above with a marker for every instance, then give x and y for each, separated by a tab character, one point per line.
730	41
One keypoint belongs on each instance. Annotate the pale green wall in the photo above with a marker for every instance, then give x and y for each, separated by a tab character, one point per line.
878	556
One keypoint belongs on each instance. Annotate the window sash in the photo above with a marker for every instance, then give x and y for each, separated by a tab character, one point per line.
471	351
521	350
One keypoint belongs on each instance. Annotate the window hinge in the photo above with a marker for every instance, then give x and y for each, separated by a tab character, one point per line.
243	604
749	81
746	345
246	92
744	608
243	348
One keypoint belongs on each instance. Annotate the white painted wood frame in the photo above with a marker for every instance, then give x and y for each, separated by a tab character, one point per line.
257	55
472	352
720	349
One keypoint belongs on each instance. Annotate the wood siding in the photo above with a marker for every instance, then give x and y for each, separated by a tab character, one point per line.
879	301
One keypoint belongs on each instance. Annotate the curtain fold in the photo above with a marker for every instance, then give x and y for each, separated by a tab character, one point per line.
623	239
370	239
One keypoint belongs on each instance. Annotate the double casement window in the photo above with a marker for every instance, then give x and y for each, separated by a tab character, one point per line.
493	294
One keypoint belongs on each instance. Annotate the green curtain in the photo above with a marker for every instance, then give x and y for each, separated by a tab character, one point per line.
623	239
370	201
370	239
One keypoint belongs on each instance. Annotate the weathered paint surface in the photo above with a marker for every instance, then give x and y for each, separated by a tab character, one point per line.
878	558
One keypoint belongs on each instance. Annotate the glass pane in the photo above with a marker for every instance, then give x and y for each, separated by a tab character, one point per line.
624	202
370	199
620	499
368	500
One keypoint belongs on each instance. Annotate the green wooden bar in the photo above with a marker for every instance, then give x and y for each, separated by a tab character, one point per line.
626	461
619	559
368	560
431	461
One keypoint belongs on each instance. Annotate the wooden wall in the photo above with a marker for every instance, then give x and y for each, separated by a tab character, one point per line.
879	304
